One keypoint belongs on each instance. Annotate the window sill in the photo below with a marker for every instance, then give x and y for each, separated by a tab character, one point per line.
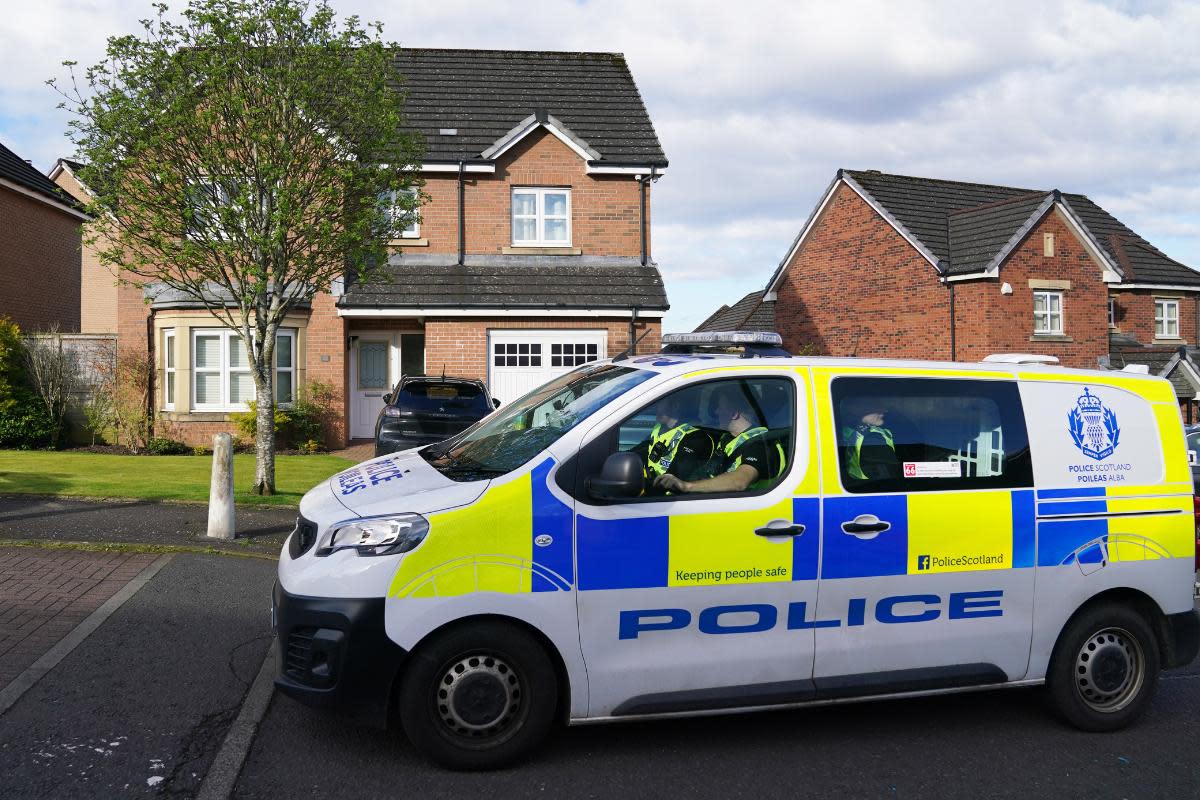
541	250
195	416
1050	337
1167	340
408	243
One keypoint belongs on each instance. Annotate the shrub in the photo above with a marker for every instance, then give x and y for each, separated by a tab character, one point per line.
199	450
26	425
12	371
247	421
162	446
310	447
131	389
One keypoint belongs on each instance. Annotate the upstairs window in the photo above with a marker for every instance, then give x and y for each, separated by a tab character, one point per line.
541	217
1048	313
1166	319
1112	312
394	203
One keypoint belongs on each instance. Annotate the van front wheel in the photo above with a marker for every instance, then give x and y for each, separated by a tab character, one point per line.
479	696
1104	669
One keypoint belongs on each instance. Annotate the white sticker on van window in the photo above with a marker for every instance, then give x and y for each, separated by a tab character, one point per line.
933	469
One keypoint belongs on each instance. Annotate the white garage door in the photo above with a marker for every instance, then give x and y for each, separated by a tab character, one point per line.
523	360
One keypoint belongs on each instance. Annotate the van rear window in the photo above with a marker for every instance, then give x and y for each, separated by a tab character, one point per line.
920	434
437	396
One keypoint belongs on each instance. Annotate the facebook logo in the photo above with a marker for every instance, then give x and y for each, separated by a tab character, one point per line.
922	563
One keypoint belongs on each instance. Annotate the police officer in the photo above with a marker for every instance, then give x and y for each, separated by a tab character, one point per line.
675	447
871	445
745	459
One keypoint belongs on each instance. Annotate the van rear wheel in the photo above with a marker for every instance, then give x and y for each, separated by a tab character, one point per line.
479	696
1104	669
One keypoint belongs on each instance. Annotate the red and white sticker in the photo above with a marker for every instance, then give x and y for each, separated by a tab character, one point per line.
933	469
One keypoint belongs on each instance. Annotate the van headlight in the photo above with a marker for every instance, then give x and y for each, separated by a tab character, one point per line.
377	536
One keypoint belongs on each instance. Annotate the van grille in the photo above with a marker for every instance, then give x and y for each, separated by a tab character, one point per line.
303	538
298	657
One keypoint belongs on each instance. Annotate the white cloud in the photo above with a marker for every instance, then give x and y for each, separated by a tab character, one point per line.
758	103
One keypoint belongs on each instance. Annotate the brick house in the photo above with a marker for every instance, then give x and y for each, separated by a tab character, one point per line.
39	248
531	255
751	313
909	267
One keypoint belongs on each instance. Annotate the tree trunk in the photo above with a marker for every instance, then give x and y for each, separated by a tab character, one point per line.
264	435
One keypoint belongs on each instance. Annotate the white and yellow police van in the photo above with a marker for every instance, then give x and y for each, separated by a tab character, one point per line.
910	528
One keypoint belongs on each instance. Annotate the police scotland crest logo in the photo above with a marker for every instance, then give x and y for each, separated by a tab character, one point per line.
1093	427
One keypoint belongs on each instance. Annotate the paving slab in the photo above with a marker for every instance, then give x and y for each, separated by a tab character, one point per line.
44	594
142	705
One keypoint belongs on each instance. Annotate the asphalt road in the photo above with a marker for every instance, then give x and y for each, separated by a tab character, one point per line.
985	745
141	706
259	530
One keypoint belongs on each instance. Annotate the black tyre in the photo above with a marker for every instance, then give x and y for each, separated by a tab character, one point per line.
1104	669
479	696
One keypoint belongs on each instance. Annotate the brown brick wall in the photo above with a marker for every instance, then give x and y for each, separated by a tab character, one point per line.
857	288
1135	315
990	322
39	263
462	345
604	208
98	285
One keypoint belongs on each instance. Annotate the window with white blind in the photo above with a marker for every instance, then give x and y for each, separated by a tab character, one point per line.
394	201
1048	313
221	379
1166	318
541	217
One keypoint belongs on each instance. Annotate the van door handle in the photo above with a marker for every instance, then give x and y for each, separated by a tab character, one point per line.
780	527
865	526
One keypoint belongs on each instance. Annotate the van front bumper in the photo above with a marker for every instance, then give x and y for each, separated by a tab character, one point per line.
335	654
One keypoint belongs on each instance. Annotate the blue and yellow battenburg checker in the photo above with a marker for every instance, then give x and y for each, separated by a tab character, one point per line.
515	538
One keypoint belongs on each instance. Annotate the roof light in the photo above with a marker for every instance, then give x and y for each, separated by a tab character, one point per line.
1020	358
724	337
448	131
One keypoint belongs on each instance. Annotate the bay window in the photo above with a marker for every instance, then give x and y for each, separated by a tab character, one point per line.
169	370
221	378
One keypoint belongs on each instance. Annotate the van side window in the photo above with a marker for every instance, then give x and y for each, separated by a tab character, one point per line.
724	436
922	435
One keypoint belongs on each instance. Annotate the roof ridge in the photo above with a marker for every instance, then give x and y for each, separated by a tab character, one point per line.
943	180
996	203
483	51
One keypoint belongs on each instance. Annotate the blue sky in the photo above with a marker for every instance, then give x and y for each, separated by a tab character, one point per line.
758	104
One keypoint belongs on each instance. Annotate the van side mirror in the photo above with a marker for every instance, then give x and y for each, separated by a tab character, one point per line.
496	402
621	477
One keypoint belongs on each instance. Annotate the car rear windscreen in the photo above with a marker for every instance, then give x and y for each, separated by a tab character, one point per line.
444	398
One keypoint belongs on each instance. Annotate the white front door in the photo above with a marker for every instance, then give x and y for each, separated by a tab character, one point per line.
519	361
371	356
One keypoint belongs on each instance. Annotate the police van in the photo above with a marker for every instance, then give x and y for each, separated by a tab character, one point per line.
723	527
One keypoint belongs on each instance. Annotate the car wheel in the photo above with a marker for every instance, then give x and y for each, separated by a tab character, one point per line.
479	696
1104	669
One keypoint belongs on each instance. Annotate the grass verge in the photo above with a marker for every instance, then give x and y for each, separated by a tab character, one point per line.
133	547
178	478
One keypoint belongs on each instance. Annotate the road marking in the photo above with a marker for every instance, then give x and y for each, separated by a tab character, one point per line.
63	647
227	765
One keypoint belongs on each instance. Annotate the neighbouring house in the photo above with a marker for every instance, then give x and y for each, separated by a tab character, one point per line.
909	267
531	255
751	313
39	248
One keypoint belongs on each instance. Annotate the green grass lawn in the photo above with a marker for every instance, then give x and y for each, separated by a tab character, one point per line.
156	477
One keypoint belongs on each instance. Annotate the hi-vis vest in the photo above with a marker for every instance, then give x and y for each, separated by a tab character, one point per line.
746	435
664	445
856	437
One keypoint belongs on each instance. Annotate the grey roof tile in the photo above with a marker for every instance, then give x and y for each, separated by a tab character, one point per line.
967	224
750	313
21	172
515	282
484	94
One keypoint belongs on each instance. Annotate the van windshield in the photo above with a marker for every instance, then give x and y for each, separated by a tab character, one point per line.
519	431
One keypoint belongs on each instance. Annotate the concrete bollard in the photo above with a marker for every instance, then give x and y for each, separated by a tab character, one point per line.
221	523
